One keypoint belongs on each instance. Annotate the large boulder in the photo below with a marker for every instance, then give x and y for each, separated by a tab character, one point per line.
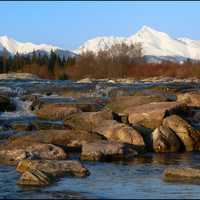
63	138
190	175
120	132
54	168
6	104
56	111
107	151
88	120
190	98
121	104
151	115
12	154
165	140
189	136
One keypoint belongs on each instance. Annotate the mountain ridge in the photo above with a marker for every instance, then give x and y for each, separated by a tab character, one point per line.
13	46
154	44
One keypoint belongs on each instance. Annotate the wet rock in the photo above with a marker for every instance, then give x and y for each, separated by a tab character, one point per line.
121	104
120	132
12	154
6	104
47	125
165	140
56	111
107	151
63	138
54	168
21	126
46	151
88	120
189	136
151	115
190	98
34	178
190	175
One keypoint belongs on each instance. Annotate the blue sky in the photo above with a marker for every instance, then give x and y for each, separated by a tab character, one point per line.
69	24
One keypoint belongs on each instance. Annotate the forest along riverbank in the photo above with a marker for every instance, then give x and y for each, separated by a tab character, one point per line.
108	125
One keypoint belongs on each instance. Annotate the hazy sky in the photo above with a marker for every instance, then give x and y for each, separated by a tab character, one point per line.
69	24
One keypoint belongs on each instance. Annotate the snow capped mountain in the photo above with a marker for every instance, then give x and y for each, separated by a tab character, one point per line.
155	45
13	47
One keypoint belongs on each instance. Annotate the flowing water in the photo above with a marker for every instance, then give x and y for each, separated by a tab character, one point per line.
139	178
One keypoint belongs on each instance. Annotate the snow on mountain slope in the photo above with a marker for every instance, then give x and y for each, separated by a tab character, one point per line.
195	43
99	43
154	44
14	46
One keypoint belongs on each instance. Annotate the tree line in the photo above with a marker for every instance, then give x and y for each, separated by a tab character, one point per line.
118	61
46	66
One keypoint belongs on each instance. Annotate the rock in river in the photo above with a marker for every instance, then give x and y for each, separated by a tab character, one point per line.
54	168
189	136
63	138
120	132
165	140
107	151
34	178
190	175
12	153
151	115
56	111
88	120
121	104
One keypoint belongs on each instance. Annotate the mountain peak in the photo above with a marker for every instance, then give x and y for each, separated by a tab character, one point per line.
146	28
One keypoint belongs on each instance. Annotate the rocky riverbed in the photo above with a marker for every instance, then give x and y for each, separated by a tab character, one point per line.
108	135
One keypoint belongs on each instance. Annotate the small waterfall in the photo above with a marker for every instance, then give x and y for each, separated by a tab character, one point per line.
22	110
102	90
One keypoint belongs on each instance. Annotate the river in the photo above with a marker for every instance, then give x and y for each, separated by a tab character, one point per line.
139	178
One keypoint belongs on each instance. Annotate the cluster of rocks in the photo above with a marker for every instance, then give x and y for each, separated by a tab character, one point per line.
126	127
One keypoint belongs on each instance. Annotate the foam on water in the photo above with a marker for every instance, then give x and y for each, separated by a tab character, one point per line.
22	110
